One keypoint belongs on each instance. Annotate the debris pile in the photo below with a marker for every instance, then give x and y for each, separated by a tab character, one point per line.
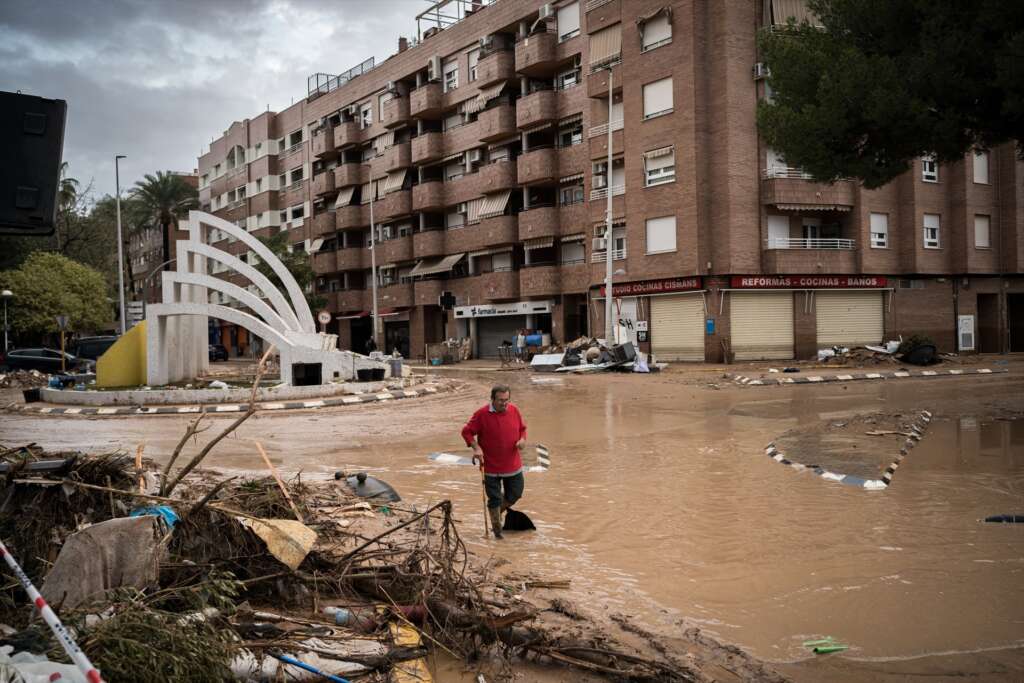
588	354
23	379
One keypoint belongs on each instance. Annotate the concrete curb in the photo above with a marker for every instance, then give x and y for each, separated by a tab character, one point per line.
917	429
396	394
852	377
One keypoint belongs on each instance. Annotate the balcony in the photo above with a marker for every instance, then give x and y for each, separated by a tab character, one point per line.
497	230
426	101
356	216
347	134
394	205
349	174
537	55
540	221
323	183
498	175
398	295
497	66
394	250
347	300
575	277
324	224
427	147
324	262
352	258
497	286
823	256
428	243
808	243
537	108
497	123
538	166
427	292
784	185
428	196
396	112
544	280
323	142
602	192
398	156
597	81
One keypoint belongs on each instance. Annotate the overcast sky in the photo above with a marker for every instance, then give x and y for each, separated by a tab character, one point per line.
156	79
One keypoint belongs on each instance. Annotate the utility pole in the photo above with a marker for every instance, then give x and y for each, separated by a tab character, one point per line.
609	242
373	266
120	245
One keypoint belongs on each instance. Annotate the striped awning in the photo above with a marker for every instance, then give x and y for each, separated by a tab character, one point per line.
813	207
574	120
540	126
606	44
315	245
382	142
432	266
473	207
473	104
494	204
578	237
660	152
345	196
395	180
488	252
783	9
489	93
570	179
539	243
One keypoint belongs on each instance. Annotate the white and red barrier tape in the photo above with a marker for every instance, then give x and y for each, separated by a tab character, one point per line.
50	617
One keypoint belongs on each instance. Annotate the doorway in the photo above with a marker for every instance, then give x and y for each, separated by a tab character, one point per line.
396	336
988	324
1015	321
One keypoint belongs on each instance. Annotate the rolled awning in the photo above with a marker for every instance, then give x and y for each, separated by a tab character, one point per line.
650	15
345	196
574	120
578	237
488	252
494	204
660	152
539	243
570	179
813	207
435	265
395	180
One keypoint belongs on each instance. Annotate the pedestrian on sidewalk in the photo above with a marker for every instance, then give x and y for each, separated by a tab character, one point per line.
497	434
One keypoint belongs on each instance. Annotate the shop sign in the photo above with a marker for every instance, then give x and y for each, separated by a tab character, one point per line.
646	287
807	281
494	310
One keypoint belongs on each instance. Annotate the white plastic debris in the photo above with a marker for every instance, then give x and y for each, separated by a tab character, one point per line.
37	668
217	384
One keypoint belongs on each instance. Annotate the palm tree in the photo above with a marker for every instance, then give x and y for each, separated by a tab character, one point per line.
67	199
166	197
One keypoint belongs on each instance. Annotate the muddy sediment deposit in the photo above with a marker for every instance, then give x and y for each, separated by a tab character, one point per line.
661	505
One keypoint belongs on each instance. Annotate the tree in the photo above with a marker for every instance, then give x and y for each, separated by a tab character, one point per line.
166	197
47	285
297	263
888	81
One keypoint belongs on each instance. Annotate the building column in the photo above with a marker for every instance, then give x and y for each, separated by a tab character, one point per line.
805	326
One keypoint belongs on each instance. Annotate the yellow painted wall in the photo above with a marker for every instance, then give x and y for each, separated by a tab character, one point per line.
124	363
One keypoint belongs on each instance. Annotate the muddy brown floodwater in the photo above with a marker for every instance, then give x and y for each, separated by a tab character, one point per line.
660	503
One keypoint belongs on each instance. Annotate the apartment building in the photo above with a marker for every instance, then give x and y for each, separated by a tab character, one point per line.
480	156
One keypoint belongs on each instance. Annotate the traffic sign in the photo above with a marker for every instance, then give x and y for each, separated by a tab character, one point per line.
62	322
324	317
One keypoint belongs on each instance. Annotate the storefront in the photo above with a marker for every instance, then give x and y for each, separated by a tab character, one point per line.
669	313
494	325
849	317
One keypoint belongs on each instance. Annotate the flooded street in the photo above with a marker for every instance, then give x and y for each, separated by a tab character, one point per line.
661	504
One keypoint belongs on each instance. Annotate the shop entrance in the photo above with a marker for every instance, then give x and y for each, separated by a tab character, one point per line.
988	323
1015	321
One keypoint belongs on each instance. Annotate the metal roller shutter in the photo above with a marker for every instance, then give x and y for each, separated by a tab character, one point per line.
762	325
677	327
849	318
491	332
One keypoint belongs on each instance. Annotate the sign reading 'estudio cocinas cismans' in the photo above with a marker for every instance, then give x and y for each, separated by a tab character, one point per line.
645	287
807	281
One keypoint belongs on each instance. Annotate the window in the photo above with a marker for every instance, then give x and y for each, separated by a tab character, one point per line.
929	169
298	211
659	166
605	47
451	75
568	21
981	232
656	32
573	252
282	180
453	121
474	57
455	169
567	79
365	114
931	231
570	133
981	167
571	193
661	234
296	175
658	98
879	231
455	219
259	185
383	99
295	138
259	148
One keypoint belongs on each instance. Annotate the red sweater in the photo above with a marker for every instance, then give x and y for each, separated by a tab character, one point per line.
497	434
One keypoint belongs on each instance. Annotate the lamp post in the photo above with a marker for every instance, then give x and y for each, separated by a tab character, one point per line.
373	266
120	245
609	242
6	294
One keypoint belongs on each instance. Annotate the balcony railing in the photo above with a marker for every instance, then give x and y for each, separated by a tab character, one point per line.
808	243
603	192
291	150
600	256
785	172
603	128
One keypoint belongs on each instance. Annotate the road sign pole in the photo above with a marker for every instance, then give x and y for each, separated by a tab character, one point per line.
63	358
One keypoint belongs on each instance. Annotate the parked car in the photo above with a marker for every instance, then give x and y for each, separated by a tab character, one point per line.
93	347
43	360
218	352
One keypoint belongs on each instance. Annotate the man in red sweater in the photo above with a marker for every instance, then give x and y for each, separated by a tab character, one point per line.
497	434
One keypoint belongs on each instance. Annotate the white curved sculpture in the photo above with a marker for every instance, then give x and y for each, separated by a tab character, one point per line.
176	338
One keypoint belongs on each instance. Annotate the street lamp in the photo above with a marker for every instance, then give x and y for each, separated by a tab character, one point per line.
608	241
120	246
373	267
6	294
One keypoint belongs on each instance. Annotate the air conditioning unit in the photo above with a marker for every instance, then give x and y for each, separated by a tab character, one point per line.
434	68
761	71
351	110
474	156
486	43
599	244
600	182
391	87
546	11
461	208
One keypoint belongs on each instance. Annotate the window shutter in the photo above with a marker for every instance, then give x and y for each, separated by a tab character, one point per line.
568	19
659	158
981	167
661	234
657	97
981	232
474	57
880	223
657	30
